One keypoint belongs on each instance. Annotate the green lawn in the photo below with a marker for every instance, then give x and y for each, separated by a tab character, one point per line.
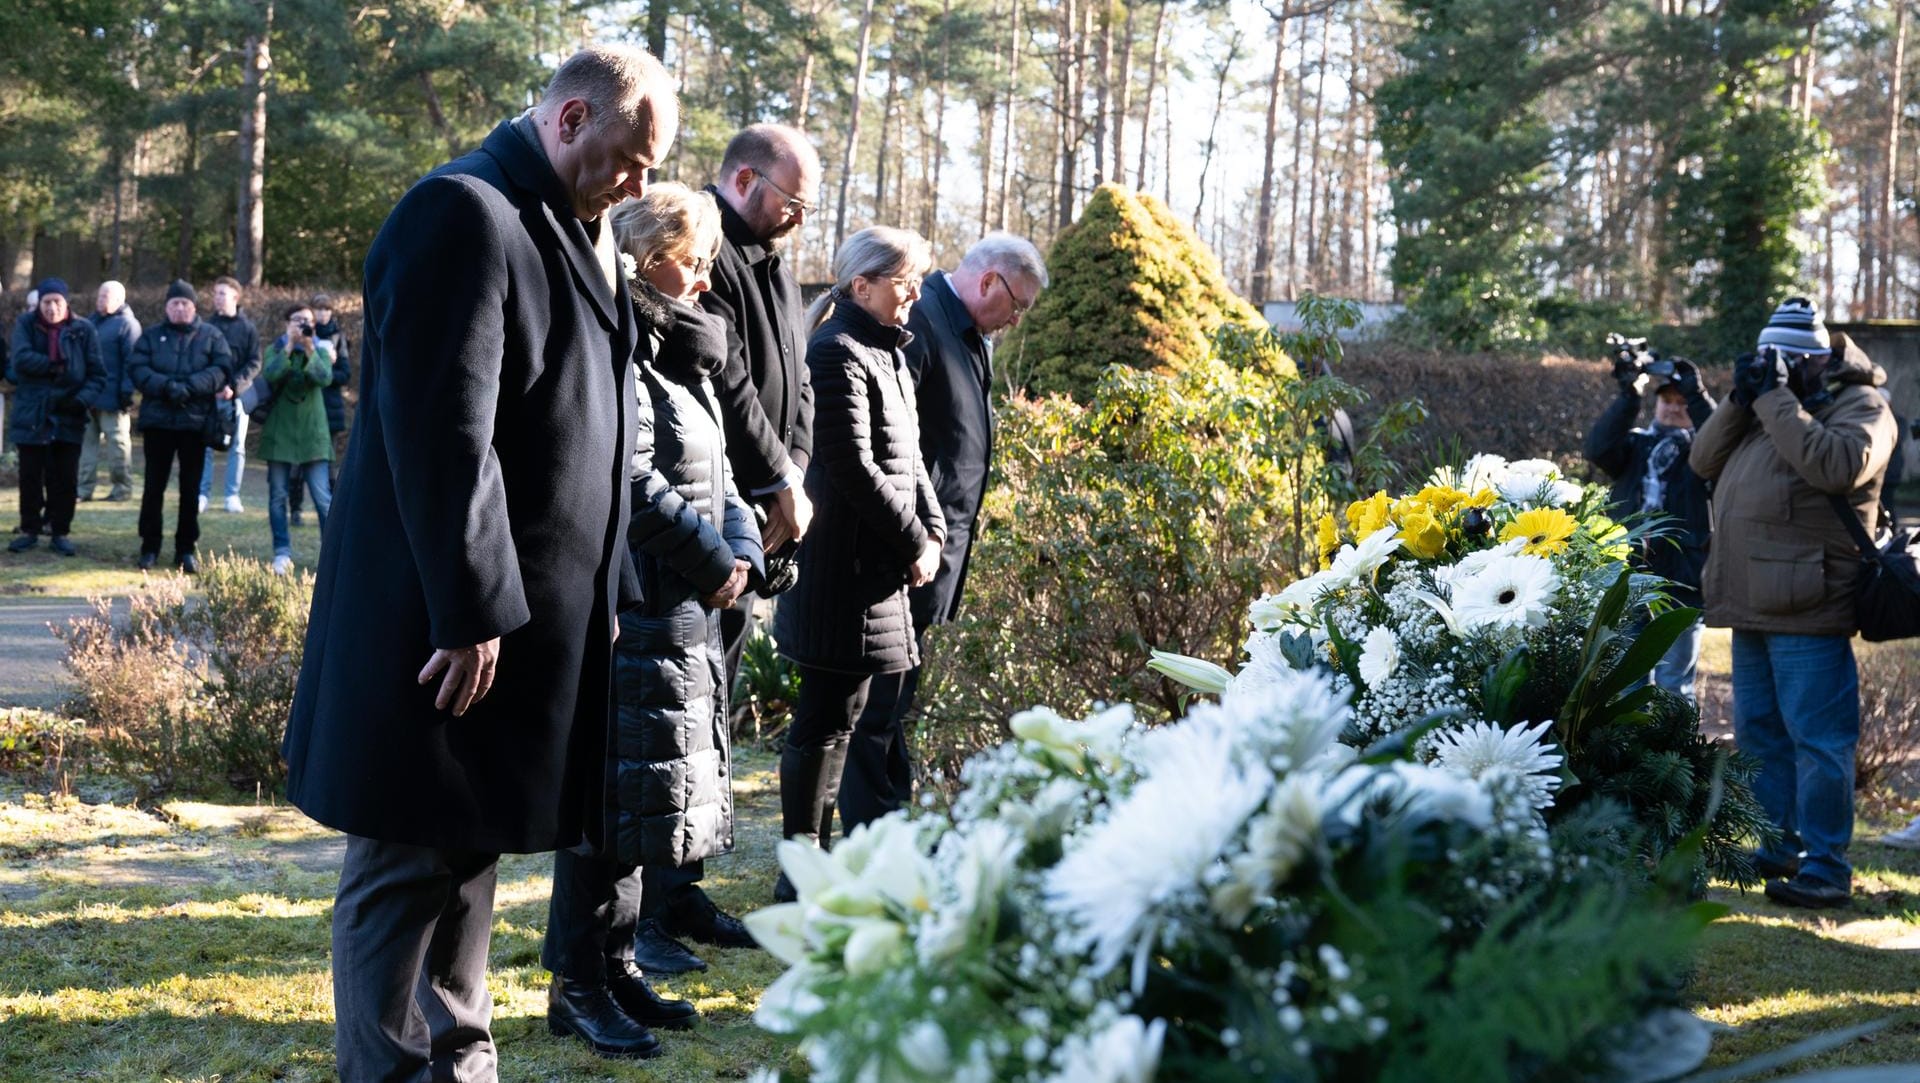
108	538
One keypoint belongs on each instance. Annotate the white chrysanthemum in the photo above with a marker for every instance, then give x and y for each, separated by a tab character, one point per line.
1379	655
1289	721
1354	563
1473	751
1510	592
1128	1051
1157	841
1278	837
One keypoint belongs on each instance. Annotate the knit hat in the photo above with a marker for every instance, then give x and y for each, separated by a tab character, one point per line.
182	288
50	286
1796	327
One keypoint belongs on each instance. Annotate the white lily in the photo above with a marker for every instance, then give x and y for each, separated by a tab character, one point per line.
781	930
1196	673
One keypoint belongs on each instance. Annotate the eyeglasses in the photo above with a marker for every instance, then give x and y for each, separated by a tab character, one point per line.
1020	308
794	204
695	265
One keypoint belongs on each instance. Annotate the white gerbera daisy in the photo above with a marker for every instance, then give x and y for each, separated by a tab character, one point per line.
1510	592
1474	563
1379	655
1128	1051
1355	563
1474	751
1415	788
1157	841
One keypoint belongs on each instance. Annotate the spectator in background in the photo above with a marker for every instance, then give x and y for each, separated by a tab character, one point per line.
878	531
1651	478
1803	425
293	440
109	415
243	342
951	358
179	368
327	329
55	363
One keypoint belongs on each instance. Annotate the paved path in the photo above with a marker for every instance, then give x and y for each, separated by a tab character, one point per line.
31	673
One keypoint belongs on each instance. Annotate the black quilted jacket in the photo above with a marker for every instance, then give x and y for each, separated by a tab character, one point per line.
873	504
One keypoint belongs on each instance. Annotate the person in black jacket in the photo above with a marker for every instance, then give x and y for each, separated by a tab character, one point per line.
243	341
878	530
477	530
696	548
951	357
1651	477
55	362
178	368
110	415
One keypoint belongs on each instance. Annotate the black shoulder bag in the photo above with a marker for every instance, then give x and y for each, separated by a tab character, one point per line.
1887	605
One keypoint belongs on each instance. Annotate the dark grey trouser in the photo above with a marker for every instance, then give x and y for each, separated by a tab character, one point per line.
411	925
591	915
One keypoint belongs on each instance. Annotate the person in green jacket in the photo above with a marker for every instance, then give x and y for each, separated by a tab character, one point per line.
294	442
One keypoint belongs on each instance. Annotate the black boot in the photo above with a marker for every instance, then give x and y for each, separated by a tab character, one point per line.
587	1010
799	817
641	1004
826	797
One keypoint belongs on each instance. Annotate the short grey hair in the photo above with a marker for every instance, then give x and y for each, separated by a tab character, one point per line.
614	80
1006	255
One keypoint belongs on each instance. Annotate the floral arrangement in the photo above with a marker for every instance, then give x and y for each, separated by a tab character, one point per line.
1499	594
1236	894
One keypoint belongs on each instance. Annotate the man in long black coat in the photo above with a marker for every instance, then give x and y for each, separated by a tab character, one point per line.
454	697
951	356
769	182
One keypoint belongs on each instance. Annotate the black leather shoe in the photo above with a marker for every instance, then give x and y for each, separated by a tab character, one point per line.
644	1006
586	1010
63	545
189	564
783	891
148	560
1769	869
23	543
697	918
654	952
1809	894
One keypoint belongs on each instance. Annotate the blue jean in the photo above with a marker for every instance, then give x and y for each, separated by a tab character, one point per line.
315	476
1796	709
236	461
1675	670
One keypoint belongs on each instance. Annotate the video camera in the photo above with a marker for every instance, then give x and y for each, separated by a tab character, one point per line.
1632	353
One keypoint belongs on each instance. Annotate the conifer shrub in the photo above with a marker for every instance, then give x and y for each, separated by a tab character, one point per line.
1131	286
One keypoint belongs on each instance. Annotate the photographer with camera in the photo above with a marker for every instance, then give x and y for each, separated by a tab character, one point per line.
294	442
1803	425
1651	478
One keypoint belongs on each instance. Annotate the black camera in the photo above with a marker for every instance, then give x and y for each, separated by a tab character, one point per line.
1632	353
306	329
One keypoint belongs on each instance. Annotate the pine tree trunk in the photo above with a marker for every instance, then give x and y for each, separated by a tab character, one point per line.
1123	95
1103	94
189	171
940	118
251	231
853	123
1068	73
1006	129
1316	251
657	12
1261	285
1294	175
803	93
886	133
1146	103
1889	209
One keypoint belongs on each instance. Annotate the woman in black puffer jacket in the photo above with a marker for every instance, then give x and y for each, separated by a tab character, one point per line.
877	528
56	364
669	795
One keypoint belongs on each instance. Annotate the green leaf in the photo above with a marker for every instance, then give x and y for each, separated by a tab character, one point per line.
1504	682
1652	645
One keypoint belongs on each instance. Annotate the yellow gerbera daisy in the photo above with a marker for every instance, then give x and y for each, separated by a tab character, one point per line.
1546	531
1328	538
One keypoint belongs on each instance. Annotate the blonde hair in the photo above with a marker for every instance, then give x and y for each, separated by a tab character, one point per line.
670	220
874	252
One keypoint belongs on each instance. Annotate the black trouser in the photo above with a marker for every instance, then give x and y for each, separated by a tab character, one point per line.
591	915
49	485
411	926
162	447
669	888
829	704
879	773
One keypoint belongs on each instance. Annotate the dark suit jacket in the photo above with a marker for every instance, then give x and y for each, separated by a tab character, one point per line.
952	363
766	400
484	494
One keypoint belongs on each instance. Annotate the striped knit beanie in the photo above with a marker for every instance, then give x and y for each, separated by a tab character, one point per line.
1796	327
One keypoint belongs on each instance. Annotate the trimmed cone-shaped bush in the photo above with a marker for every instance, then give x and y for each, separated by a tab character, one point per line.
1131	285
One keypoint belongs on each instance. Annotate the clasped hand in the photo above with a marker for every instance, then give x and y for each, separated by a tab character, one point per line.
469	674
731	590
927	565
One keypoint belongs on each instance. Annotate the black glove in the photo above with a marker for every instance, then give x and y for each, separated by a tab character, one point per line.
176	392
1686	377
1756	374
1627	374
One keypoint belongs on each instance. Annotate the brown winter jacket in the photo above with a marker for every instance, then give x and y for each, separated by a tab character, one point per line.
1781	560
